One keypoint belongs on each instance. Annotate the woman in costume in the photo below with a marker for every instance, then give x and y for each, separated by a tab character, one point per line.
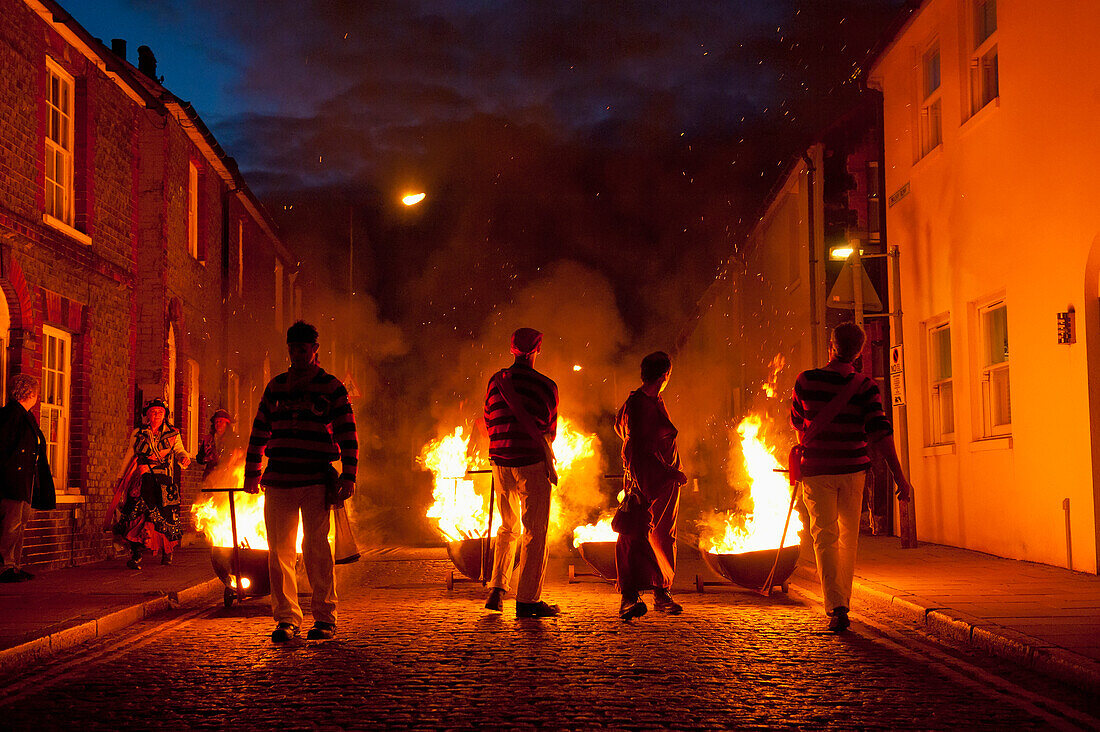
645	558
147	489
217	452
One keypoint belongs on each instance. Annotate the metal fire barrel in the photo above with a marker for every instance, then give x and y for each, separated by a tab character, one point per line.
253	569
466	555
750	569
600	556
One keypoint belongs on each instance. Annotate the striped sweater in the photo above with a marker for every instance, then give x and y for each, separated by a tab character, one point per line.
510	445
302	431
841	447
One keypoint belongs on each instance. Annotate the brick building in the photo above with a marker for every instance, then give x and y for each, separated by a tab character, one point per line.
134	262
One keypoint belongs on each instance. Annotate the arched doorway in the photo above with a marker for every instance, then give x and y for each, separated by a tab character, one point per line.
5	342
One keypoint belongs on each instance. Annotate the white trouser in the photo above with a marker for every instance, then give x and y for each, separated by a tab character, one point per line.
281	508
14	516
523	494
833	502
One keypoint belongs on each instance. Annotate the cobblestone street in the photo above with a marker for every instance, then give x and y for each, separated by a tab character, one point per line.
409	653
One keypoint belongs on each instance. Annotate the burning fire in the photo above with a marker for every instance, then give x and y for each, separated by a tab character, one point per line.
599	531
770	495
461	511
211	517
776	366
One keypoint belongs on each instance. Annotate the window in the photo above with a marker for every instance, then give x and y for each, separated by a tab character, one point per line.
931	108
240	258
56	375
193	210
172	373
984	84
192	407
279	295
60	195
941	403
874	203
993	341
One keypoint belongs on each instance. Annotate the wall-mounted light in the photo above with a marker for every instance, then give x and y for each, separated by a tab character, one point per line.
413	198
841	252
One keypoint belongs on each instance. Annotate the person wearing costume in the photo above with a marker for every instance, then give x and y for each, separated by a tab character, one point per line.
646	559
218	451
147	489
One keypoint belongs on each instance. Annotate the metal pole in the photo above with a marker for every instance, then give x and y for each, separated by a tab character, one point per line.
908	517
857	283
236	545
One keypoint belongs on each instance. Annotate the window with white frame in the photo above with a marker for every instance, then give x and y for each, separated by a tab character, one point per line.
60	192
931	107
240	258
941	386
993	341
193	210
172	373
984	83
279	324
192	407
55	390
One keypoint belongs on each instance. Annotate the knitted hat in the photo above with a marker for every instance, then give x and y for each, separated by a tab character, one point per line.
525	341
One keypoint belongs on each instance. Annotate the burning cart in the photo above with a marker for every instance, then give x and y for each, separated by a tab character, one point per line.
243	570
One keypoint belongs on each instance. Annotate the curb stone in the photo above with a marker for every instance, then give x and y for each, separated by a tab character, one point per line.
66	638
1005	643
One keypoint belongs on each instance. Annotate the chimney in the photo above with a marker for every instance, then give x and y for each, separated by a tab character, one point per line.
147	62
118	47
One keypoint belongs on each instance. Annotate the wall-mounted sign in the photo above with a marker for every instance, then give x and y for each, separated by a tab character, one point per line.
1067	331
896	363
899	194
897	389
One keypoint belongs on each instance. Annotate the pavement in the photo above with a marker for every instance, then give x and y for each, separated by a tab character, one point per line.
1038	617
62	608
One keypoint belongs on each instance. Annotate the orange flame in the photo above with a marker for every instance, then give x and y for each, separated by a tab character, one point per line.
776	365
211	516
600	531
770	495
460	509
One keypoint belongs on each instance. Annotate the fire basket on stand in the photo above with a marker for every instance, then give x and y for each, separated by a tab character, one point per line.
758	550
238	549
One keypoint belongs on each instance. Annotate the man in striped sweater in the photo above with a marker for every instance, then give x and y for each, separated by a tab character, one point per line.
835	461
522	473
304	423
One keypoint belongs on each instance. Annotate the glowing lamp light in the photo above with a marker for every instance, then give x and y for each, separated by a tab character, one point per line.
576	367
413	198
842	252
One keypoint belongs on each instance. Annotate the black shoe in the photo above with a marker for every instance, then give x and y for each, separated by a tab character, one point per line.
134	563
663	602
495	600
284	632
321	631
166	558
536	610
631	607
24	575
838	620
11	574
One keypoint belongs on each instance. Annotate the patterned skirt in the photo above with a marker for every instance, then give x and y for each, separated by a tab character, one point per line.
151	514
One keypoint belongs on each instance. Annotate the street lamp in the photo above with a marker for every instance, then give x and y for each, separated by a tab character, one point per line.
413	198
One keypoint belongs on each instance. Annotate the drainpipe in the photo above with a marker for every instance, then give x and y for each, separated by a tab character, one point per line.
815	320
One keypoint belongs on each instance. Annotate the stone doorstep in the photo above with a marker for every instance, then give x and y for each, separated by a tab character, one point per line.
66	638
983	634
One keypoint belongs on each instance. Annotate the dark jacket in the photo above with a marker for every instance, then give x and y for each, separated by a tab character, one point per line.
24	470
